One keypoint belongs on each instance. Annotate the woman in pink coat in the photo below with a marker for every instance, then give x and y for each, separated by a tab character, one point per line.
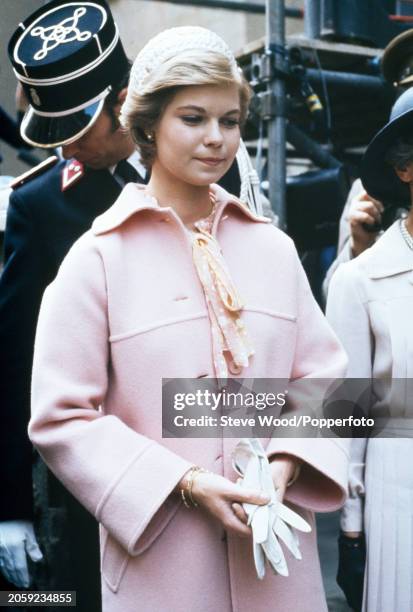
147	293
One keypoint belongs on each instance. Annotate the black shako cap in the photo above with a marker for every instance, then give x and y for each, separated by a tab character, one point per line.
67	56
378	177
397	60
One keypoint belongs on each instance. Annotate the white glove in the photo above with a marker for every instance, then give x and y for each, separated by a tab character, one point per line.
269	521
16	540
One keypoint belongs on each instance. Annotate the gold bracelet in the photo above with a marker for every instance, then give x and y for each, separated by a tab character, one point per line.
185	486
194	473
184	498
186	489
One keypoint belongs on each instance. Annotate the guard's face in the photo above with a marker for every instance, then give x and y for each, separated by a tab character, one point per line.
198	135
101	147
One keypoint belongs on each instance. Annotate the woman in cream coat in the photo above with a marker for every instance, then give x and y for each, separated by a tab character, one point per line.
370	305
138	299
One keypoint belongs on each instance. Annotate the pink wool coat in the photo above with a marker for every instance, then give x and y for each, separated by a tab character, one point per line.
127	309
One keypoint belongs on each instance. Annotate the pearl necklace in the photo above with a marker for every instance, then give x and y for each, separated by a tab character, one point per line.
406	234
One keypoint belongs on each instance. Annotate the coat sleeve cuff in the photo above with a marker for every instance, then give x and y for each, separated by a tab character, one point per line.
322	483
139	505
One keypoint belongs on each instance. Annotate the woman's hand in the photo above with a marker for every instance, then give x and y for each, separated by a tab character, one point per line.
283	469
223	498
364	211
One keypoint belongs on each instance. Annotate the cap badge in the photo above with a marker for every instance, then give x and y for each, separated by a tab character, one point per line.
63	32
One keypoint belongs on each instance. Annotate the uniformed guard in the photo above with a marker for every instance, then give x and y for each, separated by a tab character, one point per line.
69	58
397	60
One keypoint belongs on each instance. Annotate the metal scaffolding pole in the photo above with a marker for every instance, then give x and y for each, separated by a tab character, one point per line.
275	41
234	5
348	81
305	145
312	23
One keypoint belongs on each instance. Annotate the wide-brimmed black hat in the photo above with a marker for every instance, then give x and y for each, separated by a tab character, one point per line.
397	60
378	176
68	57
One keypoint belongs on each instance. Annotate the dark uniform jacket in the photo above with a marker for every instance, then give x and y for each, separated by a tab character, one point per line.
43	222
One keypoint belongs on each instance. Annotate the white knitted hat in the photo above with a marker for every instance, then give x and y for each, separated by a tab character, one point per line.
170	43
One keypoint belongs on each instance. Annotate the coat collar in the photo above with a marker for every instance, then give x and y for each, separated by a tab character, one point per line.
390	255
133	200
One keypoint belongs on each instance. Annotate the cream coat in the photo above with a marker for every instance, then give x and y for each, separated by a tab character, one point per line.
370	305
126	310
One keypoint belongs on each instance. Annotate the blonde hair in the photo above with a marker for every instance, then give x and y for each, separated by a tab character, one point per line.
149	95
